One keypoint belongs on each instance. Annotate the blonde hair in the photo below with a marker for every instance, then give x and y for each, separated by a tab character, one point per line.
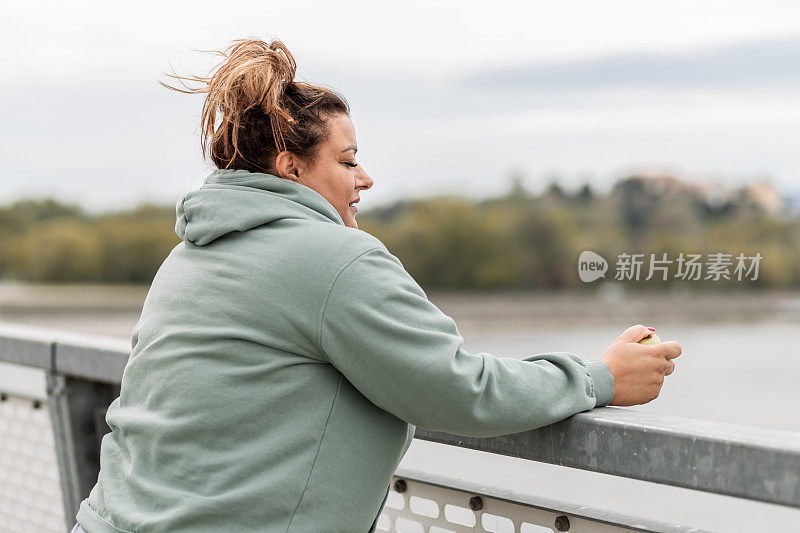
254	109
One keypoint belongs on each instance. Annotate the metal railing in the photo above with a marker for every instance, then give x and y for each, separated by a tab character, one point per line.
83	373
421	501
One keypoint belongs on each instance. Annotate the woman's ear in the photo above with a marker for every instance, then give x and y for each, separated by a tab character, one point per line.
288	166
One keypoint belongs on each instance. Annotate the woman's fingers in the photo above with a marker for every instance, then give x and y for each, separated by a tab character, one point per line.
668	350
670	368
634	334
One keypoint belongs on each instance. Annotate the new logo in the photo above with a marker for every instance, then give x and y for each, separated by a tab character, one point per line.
591	266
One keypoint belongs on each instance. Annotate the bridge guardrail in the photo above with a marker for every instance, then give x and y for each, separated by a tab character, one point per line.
83	374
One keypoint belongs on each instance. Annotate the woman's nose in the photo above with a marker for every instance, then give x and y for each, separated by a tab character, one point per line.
366	181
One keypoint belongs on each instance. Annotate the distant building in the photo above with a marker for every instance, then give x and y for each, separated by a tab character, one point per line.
761	194
765	197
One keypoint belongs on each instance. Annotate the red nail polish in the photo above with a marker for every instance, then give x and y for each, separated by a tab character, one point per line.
651	329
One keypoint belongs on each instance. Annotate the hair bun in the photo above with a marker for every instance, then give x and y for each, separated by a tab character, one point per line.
252	90
254	74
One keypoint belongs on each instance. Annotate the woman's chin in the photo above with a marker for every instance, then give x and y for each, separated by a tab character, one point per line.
349	218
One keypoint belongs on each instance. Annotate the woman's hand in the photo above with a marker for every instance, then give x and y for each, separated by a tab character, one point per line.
638	369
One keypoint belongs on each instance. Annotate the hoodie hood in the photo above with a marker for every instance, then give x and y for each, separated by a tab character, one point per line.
239	200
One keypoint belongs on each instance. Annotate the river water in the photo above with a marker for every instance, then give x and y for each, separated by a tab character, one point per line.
739	370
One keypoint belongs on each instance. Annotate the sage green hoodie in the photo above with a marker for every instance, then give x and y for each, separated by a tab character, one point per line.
279	368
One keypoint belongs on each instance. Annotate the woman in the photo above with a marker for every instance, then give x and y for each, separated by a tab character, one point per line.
283	357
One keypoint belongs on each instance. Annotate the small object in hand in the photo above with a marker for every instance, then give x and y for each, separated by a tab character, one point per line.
651	339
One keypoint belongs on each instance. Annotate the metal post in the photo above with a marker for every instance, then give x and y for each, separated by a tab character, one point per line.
74	408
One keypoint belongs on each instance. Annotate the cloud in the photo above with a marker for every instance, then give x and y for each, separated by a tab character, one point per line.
764	64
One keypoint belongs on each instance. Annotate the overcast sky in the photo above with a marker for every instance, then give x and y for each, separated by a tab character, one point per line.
446	97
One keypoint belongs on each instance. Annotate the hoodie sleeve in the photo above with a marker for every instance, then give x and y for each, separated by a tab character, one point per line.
401	352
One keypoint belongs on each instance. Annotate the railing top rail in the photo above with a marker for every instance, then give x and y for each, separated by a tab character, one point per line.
754	463
83	355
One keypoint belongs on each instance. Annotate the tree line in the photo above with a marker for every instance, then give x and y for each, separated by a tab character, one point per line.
516	241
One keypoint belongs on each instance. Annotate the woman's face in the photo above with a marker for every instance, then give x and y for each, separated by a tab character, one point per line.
334	172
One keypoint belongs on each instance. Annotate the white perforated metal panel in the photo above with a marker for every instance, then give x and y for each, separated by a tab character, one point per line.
30	491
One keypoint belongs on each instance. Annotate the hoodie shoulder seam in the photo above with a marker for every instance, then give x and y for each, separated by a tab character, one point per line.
328	294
